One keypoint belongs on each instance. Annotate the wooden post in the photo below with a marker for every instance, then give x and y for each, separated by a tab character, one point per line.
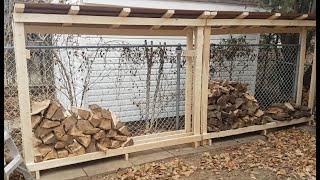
312	89
23	91
205	79
196	103
302	59
188	93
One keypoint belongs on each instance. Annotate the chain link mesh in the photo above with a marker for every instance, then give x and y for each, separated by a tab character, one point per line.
114	77
269	70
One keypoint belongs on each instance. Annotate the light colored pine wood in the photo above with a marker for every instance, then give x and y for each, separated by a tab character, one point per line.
312	89
28	56
19	8
303	16
124	13
204	15
205	79
259	22
168	14
255	30
242	15
105	20
275	16
196	106
188	81
72	11
101	31
37	174
302	59
126	157
23	90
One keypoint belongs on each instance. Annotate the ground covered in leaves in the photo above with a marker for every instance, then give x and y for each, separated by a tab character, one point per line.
286	154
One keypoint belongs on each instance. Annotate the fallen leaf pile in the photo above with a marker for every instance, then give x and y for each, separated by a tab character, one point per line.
174	169
289	153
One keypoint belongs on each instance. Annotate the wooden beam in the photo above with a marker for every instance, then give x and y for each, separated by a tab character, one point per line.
19	8
255	30
303	16
104	20
74	10
23	90
197	82
302	59
168	14
275	16
213	14
312	89
242	15
259	22
124	13
101	31
205	79
204	15
188	81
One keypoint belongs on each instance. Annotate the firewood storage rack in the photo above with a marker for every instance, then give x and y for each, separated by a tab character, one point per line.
196	26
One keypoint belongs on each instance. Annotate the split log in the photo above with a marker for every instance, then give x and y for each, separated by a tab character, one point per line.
111	133
116	123
69	122
44	149
37	155
80	113
46	123
115	144
84	125
58	115
62	153
75	132
41	132
75	149
99	135
124	131
105	124
84	140
103	144
92	146
49	139
53	107
95	120
91	131
60	145
39	107
36	141
35	120
106	114
120	138
59	132
96	109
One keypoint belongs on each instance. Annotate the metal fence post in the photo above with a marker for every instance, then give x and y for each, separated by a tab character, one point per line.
178	52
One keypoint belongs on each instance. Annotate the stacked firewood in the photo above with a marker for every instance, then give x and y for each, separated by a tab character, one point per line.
231	106
59	133
287	111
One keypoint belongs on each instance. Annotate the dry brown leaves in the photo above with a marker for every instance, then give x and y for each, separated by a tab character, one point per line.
174	169
290	153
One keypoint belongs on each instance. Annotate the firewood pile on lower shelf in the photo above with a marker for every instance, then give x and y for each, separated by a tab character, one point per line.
231	106
59	133
287	111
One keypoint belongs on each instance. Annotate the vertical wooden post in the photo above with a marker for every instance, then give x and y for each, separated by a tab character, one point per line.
188	85
196	106
23	91
302	59
312	89
205	80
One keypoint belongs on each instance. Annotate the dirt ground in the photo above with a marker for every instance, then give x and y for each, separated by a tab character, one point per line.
286	154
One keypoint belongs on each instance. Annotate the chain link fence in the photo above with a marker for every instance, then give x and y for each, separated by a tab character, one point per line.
270	70
137	82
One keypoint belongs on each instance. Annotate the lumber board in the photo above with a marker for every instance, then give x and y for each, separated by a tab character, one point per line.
23	90
302	59
124	13
149	136
256	128
104	20
168	14
45	29
188	81
312	89
112	152
160	138
259	22
196	104
205	79
255	30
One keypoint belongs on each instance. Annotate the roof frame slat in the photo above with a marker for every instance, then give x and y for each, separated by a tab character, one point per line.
124	13
274	16
19	8
240	16
74	10
303	16
168	14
